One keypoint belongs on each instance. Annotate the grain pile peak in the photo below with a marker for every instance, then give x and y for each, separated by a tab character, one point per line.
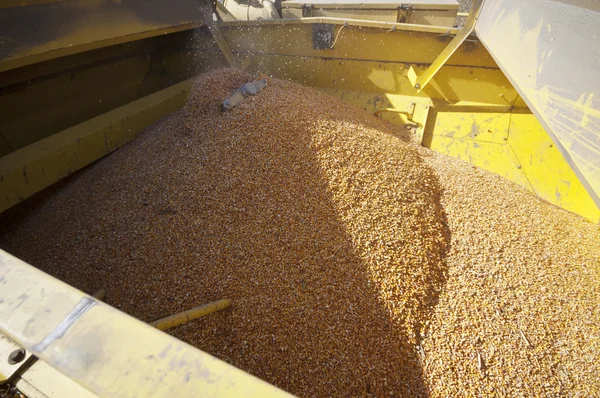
358	264
322	226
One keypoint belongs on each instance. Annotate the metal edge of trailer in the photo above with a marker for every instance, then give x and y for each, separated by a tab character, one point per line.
375	4
71	26
359	23
107	352
549	51
30	169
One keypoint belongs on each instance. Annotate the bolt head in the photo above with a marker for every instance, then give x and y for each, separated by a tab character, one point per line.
17	356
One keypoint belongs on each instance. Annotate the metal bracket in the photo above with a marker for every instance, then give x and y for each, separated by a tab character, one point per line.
322	36
306	10
451	47
404	11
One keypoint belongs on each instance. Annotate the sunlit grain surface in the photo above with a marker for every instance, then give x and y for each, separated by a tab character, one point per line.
357	264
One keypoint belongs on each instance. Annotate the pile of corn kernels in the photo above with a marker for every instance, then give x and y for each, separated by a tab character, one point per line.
358	264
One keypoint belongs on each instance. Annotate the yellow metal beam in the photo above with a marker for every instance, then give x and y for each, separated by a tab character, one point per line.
33	168
190	315
75	334
451	48
359	23
207	18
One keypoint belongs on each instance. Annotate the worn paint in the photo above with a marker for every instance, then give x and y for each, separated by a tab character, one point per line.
142	361
549	51
59	331
515	146
481	126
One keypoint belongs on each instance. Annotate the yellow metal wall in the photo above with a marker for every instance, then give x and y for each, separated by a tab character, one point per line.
515	146
469	110
550	50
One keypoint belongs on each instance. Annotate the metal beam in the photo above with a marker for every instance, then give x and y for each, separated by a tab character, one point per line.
33	168
362	23
451	47
207	18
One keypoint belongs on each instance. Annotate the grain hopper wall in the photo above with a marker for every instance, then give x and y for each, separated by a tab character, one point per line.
469	110
549	51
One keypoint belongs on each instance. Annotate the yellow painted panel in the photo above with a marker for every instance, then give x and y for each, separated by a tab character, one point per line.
549	50
486	127
27	110
418	107
494	157
353	42
452	84
30	169
548	172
